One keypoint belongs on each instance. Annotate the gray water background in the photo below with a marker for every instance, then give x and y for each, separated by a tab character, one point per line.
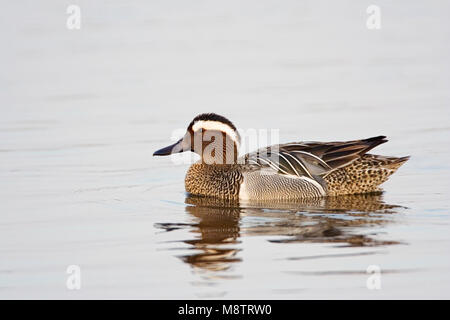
83	110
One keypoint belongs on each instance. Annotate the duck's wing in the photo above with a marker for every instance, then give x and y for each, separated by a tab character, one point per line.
310	159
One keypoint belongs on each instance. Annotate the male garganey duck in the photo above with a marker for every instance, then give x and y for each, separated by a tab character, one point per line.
286	171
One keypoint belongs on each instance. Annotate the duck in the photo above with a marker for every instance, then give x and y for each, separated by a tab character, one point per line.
289	171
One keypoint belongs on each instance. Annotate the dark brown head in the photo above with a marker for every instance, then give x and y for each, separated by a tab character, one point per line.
211	136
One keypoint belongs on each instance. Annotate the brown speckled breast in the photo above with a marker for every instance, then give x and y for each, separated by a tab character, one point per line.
222	181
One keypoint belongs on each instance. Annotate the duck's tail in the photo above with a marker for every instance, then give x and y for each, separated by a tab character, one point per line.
393	163
363	175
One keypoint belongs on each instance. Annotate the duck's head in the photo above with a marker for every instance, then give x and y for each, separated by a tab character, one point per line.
211	136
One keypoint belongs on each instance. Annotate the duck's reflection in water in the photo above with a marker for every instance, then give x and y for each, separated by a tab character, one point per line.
219	230
340	220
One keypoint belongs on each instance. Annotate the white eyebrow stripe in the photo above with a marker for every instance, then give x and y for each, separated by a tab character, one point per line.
218	126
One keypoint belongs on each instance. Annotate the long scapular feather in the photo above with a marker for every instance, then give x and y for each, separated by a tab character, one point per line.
302	166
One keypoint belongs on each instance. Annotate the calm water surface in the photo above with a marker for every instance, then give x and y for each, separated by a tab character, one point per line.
82	112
